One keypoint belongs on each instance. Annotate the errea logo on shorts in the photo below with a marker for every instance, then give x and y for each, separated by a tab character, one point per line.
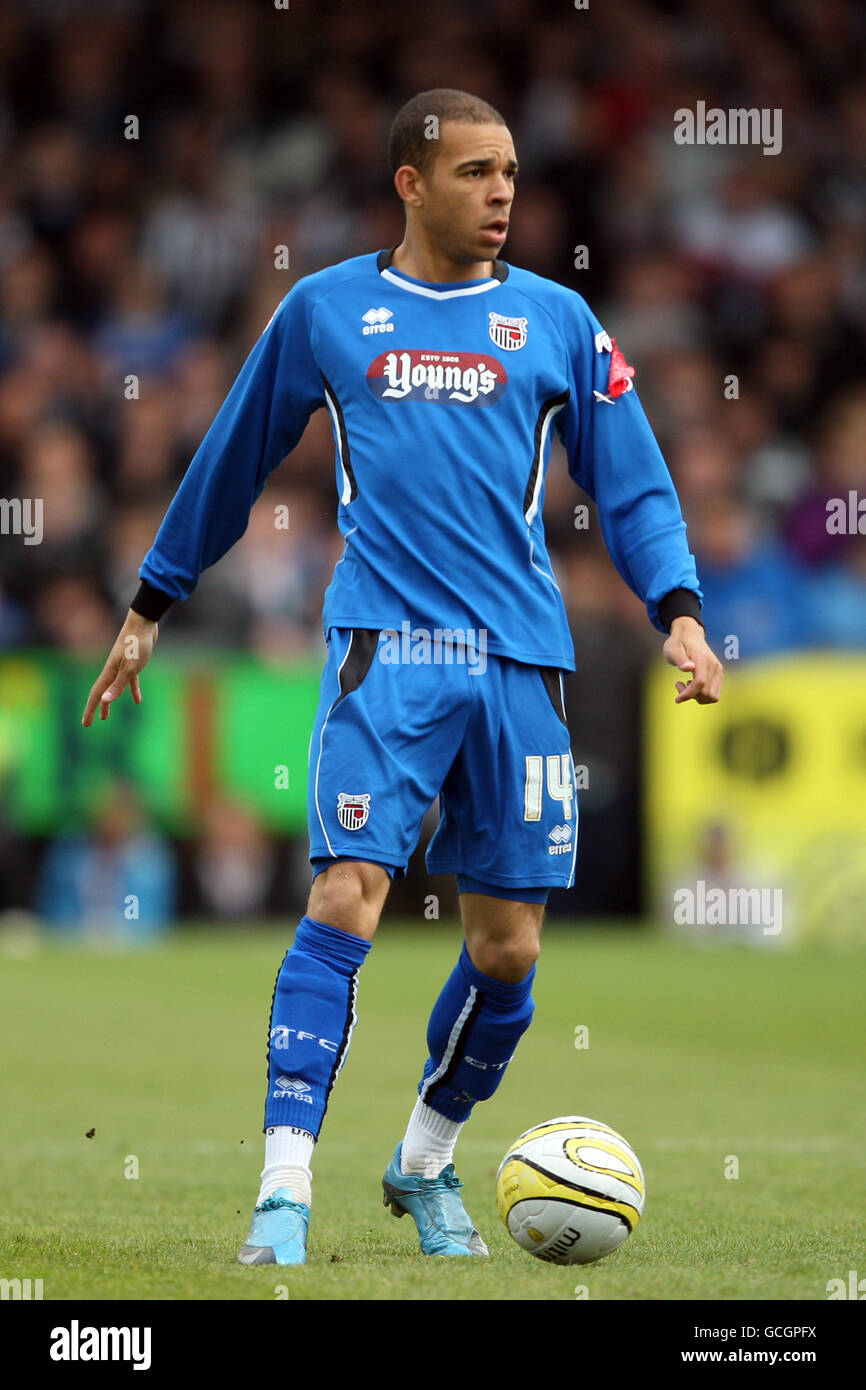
561	837
292	1088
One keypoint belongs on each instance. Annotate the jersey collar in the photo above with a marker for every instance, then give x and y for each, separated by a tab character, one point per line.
432	291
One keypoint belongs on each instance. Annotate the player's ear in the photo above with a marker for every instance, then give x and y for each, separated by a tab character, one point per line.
406	181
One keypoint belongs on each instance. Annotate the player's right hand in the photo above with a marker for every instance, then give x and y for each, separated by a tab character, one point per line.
129	655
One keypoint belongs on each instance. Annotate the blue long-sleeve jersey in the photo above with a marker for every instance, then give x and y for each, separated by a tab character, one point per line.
442	399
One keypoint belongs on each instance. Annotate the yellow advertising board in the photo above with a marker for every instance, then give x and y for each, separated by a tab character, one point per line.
764	791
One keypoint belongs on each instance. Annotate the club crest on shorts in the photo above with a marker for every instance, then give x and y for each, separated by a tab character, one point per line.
353	811
508	334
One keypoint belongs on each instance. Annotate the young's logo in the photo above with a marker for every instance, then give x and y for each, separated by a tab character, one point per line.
508	334
452	378
353	811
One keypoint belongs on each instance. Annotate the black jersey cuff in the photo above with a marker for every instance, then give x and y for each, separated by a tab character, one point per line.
150	602
680	603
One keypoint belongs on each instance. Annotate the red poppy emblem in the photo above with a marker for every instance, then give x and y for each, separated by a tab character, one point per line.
619	377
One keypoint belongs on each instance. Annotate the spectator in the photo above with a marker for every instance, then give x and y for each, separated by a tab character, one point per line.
234	863
116	885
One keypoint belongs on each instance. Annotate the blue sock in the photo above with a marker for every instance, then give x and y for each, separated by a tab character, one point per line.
312	1019
474	1028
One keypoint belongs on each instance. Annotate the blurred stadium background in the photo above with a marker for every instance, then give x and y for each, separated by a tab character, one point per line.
135	275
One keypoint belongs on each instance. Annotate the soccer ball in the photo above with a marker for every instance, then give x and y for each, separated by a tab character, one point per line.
570	1190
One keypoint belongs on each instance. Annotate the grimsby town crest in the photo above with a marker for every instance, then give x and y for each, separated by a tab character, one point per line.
508	334
352	811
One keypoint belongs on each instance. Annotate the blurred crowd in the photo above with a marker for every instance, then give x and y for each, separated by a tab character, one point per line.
153	258
155	156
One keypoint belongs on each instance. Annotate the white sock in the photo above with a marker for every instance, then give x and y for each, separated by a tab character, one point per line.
288	1152
429	1143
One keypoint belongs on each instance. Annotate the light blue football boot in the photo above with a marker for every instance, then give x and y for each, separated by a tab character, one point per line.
278	1232
444	1225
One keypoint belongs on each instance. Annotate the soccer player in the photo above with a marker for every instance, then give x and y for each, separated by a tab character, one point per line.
444	371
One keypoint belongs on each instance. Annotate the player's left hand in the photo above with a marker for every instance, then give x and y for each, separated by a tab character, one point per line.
686	648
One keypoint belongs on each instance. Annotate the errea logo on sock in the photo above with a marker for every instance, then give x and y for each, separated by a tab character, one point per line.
292	1088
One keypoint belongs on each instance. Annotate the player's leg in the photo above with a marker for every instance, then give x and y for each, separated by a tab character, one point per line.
507	789
479	1017
313	1014
503	935
481	1013
363	826
477	1021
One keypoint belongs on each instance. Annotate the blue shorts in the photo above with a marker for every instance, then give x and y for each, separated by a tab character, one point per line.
488	735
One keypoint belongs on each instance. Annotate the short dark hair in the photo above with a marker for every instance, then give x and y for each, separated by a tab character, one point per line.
409	144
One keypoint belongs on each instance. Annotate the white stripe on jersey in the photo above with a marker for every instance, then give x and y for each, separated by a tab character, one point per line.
438	294
540	570
539	479
346	494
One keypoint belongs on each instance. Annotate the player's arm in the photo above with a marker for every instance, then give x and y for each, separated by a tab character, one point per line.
260	421
614	456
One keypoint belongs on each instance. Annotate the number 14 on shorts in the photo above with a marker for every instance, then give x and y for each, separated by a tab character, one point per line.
560	785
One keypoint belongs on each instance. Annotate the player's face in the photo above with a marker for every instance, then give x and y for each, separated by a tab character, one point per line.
468	193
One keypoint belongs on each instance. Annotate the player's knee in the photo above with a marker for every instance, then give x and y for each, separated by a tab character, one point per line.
349	895
509	959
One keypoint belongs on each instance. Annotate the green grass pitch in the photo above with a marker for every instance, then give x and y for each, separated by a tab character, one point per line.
697	1056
